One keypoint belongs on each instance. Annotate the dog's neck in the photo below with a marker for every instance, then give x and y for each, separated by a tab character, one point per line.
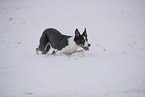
72	44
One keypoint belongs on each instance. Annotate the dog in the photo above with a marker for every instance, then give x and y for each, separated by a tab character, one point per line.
62	44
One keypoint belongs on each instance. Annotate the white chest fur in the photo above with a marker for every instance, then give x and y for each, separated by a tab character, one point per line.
71	48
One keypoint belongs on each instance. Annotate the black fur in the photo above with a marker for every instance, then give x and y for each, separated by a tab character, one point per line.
54	38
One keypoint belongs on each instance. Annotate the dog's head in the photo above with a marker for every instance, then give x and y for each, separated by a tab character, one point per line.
82	40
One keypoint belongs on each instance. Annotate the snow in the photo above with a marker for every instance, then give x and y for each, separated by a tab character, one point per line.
114	66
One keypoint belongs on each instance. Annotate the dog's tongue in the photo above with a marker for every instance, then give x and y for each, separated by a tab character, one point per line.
85	48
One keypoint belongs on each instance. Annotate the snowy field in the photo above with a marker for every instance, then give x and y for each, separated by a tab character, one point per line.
114	66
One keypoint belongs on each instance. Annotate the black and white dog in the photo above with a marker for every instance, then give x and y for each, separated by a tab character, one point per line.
62	44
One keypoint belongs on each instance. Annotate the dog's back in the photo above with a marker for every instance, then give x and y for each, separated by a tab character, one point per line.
56	39
52	37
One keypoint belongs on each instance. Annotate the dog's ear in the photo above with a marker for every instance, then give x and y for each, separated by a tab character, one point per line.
85	33
77	33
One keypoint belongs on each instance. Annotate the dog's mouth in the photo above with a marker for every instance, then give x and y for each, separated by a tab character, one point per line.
85	48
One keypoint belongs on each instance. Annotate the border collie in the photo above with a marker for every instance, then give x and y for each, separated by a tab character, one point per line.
62	44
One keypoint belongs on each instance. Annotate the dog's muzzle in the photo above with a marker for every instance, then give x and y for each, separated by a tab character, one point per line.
86	48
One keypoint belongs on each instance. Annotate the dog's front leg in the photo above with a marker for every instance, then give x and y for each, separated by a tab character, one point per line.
59	53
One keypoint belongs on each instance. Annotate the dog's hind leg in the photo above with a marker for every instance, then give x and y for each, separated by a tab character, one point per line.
37	51
47	48
53	52
44	44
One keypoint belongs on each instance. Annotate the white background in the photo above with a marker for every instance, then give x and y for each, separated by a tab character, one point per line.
114	66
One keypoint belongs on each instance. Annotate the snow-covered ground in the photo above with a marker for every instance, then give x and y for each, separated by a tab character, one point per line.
114	66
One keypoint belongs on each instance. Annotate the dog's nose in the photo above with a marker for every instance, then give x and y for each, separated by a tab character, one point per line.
89	45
